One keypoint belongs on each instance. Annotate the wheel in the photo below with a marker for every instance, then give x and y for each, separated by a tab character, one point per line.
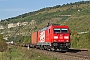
41	47
48	48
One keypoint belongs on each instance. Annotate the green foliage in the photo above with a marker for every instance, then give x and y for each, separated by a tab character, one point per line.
88	39
1	37
20	39
26	39
3	45
80	41
20	53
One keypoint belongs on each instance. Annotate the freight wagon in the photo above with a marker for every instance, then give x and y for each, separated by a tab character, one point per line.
54	37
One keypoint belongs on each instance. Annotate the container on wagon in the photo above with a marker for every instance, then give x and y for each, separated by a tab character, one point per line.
34	38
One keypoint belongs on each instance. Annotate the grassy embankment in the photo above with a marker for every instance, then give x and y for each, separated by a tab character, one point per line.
0	55
21	53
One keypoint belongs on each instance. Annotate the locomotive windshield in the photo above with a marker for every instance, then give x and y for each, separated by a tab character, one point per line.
60	30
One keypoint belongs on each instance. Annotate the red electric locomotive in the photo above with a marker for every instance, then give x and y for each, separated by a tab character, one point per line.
52	38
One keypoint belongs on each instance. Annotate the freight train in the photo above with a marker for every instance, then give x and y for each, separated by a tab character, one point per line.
53	37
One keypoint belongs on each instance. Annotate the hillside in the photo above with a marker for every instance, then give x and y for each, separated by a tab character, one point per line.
75	15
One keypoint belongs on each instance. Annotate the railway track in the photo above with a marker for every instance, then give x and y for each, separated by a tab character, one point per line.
85	54
72	54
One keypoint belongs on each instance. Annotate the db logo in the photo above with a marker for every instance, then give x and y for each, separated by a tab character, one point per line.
42	36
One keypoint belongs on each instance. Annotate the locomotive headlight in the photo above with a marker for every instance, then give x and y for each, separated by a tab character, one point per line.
67	40
55	37
55	40
66	37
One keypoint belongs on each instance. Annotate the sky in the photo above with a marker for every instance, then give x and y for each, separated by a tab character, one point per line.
13	8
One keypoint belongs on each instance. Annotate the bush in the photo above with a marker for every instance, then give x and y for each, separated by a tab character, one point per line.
3	46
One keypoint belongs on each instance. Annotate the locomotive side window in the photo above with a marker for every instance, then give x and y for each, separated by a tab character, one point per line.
60	30
49	31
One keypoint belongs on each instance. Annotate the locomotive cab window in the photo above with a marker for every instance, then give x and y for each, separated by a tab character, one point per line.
56	30
60	30
64	30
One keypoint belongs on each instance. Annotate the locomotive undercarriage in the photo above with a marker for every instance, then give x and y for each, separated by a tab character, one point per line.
55	46
60	46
